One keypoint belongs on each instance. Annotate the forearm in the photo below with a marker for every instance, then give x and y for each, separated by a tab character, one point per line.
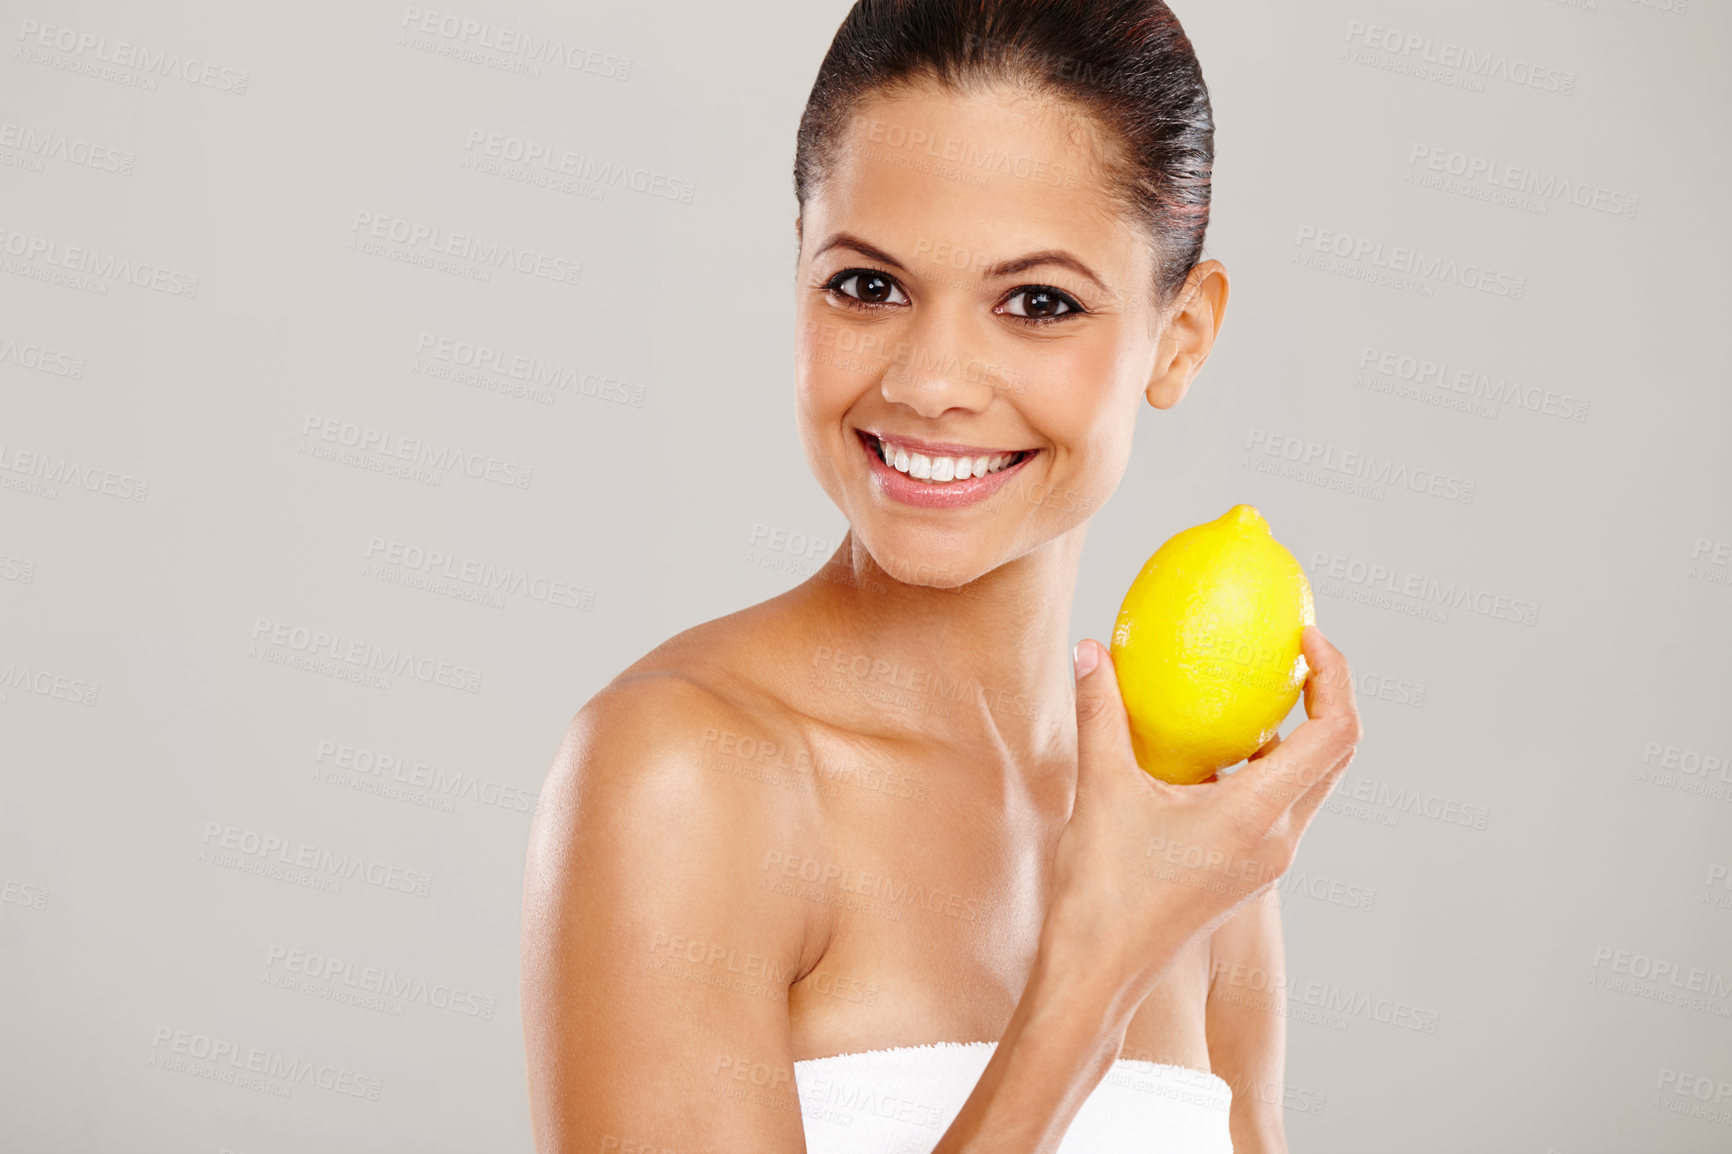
1062	1039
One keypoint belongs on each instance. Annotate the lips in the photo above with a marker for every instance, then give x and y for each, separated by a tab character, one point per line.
941	464
884	452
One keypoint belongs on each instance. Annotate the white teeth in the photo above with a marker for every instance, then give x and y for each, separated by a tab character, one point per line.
939	470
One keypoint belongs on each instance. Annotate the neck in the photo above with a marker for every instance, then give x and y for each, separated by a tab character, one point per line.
984	663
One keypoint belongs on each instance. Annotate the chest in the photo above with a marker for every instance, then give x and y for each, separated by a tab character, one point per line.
928	892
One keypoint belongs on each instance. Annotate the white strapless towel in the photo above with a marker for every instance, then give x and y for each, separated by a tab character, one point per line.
901	1100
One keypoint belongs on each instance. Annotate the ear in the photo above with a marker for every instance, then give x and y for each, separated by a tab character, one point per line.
1189	334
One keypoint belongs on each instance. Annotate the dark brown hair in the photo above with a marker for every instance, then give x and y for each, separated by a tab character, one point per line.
1126	62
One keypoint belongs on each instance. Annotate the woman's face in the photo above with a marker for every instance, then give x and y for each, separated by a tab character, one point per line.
970	301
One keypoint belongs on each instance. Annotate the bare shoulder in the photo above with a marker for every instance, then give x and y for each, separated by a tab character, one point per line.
665	746
678	718
656	958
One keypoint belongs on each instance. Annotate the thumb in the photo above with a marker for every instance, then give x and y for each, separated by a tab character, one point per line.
1103	728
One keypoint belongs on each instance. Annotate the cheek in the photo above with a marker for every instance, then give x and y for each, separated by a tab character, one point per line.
1079	394
837	354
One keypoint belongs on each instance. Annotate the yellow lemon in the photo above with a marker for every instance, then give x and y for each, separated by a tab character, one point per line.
1207	646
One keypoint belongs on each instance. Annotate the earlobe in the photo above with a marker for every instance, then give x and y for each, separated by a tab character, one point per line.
1189	336
1169	388
1173	367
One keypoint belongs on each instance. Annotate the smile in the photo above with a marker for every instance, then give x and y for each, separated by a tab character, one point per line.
939	476
936	468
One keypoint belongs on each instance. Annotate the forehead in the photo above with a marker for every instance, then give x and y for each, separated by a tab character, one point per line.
996	172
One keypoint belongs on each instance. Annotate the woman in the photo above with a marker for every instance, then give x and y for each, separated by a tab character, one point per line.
861	867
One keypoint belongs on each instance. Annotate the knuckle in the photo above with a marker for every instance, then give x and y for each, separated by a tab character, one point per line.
1091	708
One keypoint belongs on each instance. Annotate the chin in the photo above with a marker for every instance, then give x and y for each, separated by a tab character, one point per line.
916	559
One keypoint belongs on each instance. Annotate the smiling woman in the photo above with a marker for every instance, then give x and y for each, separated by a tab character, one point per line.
737	934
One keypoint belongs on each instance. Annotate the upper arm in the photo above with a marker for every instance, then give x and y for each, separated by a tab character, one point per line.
655	970
1246	1024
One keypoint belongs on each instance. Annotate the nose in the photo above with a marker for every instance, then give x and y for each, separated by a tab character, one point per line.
940	363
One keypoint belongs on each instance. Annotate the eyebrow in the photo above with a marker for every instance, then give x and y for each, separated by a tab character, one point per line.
1002	269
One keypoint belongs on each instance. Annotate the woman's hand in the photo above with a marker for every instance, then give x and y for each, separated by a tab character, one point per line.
1143	868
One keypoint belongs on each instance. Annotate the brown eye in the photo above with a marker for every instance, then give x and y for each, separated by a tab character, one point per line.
1039	302
868	287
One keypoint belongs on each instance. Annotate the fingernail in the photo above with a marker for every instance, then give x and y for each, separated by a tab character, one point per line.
1087	655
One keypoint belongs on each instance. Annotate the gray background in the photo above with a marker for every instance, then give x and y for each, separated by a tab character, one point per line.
146	717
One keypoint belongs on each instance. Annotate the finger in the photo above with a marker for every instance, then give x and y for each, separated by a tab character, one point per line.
1307	805
1267	747
1103	728
1313	756
1329	685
